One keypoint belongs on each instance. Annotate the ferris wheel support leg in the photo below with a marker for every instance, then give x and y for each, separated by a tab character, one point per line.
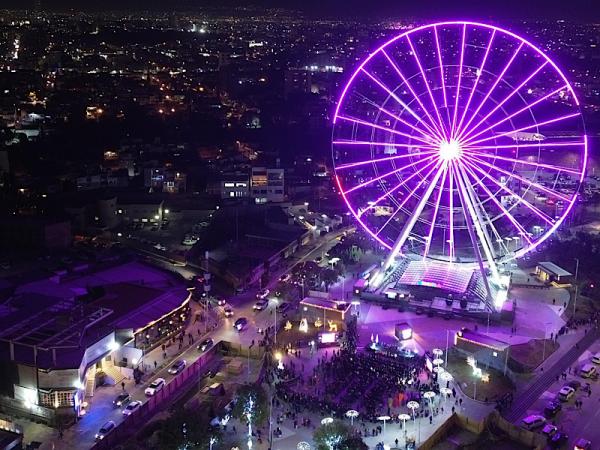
408	226
472	234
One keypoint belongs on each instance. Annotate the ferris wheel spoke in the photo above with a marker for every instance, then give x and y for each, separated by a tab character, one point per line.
399	101
439	53
476	82
498	79
522	161
503	101
469	136
528	127
472	227
380	160
380	177
435	212
401	184
439	132
451	215
460	70
416	213
395	117
520	178
385	144
381	127
492	197
532	208
445	133
518	146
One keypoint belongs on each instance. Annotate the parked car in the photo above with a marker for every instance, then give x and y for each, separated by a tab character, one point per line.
261	304
552	408
533	421
105	429
285	278
566	393
240	324
283	308
155	386
263	293
558	439
205	344
177	367
549	430
121	399
575	384
131	408
588	371
228	311
221	302
596	358
583	444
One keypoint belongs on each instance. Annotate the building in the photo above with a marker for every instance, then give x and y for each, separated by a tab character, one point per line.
58	333
33	232
234	185
165	180
142	208
549	272
267	185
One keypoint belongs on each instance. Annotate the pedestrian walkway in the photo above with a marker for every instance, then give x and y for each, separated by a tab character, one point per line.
547	372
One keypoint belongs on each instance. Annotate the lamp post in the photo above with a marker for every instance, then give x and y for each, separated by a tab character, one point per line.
576	285
384	419
446	392
352	414
429	395
276	301
544	344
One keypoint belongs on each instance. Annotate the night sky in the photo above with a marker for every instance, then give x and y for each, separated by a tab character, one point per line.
585	10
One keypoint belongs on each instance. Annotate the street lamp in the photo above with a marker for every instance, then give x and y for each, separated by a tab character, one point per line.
326	420
276	301
446	392
429	395
384	419
352	414
576	285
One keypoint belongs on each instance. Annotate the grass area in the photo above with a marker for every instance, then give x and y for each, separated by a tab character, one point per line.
531	354
585	307
497	386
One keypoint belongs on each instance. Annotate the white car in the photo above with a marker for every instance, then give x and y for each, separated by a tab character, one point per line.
263	293
131	408
155	387
534	421
177	366
565	393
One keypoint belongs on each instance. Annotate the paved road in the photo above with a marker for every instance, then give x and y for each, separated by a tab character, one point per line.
533	391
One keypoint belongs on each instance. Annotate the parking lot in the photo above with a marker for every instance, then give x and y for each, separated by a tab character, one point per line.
576	421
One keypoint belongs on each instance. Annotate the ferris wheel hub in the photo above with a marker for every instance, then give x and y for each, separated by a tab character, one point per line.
450	150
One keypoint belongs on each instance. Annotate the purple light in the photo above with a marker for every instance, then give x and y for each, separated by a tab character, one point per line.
460	154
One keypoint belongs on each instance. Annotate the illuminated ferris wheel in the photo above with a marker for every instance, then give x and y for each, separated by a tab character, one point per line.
459	142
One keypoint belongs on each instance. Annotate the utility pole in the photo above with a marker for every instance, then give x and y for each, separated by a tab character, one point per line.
576	285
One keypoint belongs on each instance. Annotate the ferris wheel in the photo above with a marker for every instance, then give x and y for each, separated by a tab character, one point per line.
459	142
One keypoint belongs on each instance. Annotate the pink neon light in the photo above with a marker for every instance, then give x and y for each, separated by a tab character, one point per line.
460	69
522	161
468	149
485	56
435	212
389	130
506	67
439	132
469	136
508	97
378	160
439	52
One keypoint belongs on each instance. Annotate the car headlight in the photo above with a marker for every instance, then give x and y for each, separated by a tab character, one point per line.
118	403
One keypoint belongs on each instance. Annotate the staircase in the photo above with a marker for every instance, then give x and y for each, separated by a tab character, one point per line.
90	383
114	372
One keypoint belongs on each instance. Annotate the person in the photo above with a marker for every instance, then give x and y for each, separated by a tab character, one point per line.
396	441
123	385
155	364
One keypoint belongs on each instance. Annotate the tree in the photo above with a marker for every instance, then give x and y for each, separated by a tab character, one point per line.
329	276
188	429
354	443
254	395
331	436
350	337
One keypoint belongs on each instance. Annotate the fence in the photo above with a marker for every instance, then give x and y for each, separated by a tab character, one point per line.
178	385
492	421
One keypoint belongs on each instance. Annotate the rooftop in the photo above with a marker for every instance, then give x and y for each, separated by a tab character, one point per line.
554	269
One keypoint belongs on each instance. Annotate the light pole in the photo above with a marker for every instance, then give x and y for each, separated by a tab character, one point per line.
544	345
576	285
275	336
352	413
384	419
